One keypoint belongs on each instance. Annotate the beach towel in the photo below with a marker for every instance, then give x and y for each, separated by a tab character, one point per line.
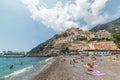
97	62
96	73
88	66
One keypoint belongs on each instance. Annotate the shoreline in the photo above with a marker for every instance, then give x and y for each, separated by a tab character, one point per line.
55	71
45	70
49	61
25	72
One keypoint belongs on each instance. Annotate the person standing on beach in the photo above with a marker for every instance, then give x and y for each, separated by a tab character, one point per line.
70	61
117	57
74	62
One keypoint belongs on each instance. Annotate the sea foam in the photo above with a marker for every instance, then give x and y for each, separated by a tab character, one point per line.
17	72
26	73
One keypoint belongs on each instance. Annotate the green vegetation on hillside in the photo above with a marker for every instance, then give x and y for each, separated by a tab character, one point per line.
42	48
100	39
116	39
82	39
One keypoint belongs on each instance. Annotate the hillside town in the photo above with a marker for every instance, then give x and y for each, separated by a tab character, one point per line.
76	41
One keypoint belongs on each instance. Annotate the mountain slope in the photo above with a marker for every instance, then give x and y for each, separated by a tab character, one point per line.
42	49
113	27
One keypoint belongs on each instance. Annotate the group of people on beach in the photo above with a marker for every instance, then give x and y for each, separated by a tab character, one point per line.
91	62
75	60
115	58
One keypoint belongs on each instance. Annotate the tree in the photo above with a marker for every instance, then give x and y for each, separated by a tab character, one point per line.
116	39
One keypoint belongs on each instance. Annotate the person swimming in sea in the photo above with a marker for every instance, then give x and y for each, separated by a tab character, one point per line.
11	67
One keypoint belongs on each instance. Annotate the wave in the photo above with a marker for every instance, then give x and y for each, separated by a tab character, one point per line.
49	59
29	71
17	72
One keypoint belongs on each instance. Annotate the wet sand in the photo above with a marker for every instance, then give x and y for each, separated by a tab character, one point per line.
65	70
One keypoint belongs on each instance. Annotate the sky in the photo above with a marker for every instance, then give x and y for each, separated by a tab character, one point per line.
24	24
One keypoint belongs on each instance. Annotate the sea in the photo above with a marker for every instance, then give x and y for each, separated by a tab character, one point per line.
24	68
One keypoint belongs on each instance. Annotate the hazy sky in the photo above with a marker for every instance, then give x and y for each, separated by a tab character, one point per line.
26	23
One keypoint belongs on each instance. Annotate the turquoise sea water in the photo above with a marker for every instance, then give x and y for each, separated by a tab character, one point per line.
23	67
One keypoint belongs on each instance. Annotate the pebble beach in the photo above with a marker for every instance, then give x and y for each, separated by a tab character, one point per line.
63	68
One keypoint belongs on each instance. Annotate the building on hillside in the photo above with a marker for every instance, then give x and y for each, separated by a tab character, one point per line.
100	48
76	34
59	49
103	48
102	34
105	45
78	47
61	40
85	34
95	47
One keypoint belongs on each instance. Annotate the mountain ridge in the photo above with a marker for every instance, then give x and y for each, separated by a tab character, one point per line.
112	26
